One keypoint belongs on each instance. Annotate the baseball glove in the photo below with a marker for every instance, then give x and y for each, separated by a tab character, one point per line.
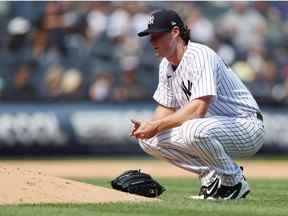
137	182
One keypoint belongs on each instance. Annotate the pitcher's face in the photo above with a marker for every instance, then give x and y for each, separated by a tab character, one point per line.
163	43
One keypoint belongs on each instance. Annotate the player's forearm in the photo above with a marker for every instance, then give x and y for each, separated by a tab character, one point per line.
174	120
197	109
162	112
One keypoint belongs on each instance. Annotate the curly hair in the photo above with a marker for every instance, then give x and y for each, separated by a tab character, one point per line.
185	33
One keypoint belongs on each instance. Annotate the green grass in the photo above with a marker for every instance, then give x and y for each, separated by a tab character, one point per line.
267	198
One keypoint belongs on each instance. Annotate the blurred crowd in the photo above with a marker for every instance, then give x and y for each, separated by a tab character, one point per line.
62	51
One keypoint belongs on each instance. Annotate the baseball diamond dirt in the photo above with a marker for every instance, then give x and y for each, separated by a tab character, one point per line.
36	182
21	186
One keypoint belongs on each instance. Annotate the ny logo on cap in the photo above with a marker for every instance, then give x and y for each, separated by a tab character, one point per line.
151	20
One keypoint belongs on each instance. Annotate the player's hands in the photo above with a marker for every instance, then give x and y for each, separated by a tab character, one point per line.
135	126
143	129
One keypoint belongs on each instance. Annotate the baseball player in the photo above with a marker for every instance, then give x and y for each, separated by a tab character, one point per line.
205	115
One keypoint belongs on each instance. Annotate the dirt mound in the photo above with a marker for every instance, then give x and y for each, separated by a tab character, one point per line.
19	186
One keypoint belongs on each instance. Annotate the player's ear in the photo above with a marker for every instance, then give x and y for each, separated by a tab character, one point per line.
175	31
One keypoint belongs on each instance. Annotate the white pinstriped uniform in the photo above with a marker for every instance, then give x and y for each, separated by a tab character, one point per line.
230	128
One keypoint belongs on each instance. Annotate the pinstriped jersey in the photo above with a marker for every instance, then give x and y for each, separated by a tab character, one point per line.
201	72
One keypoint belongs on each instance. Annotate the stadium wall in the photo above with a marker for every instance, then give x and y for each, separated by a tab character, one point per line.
98	129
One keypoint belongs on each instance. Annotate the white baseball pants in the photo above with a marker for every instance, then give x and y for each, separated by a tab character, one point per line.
208	144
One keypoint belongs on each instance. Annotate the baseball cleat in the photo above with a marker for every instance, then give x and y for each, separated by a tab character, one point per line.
216	191
238	191
208	191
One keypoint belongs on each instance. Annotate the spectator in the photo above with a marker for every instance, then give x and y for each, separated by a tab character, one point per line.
129	87
71	84
21	87
72	41
97	19
52	82
101	89
244	71
51	31
243	24
201	29
18	29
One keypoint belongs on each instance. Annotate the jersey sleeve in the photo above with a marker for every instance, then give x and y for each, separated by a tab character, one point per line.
205	84
164	94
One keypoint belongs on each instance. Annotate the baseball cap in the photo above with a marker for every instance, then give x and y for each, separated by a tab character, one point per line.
162	21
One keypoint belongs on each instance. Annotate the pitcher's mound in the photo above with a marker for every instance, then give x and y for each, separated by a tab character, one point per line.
20	186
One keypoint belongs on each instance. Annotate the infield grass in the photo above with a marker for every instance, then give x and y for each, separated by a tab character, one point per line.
267	198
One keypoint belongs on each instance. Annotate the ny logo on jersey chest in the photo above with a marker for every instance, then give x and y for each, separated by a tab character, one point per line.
187	89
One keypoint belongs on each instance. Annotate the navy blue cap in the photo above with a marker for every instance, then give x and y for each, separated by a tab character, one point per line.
162	21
